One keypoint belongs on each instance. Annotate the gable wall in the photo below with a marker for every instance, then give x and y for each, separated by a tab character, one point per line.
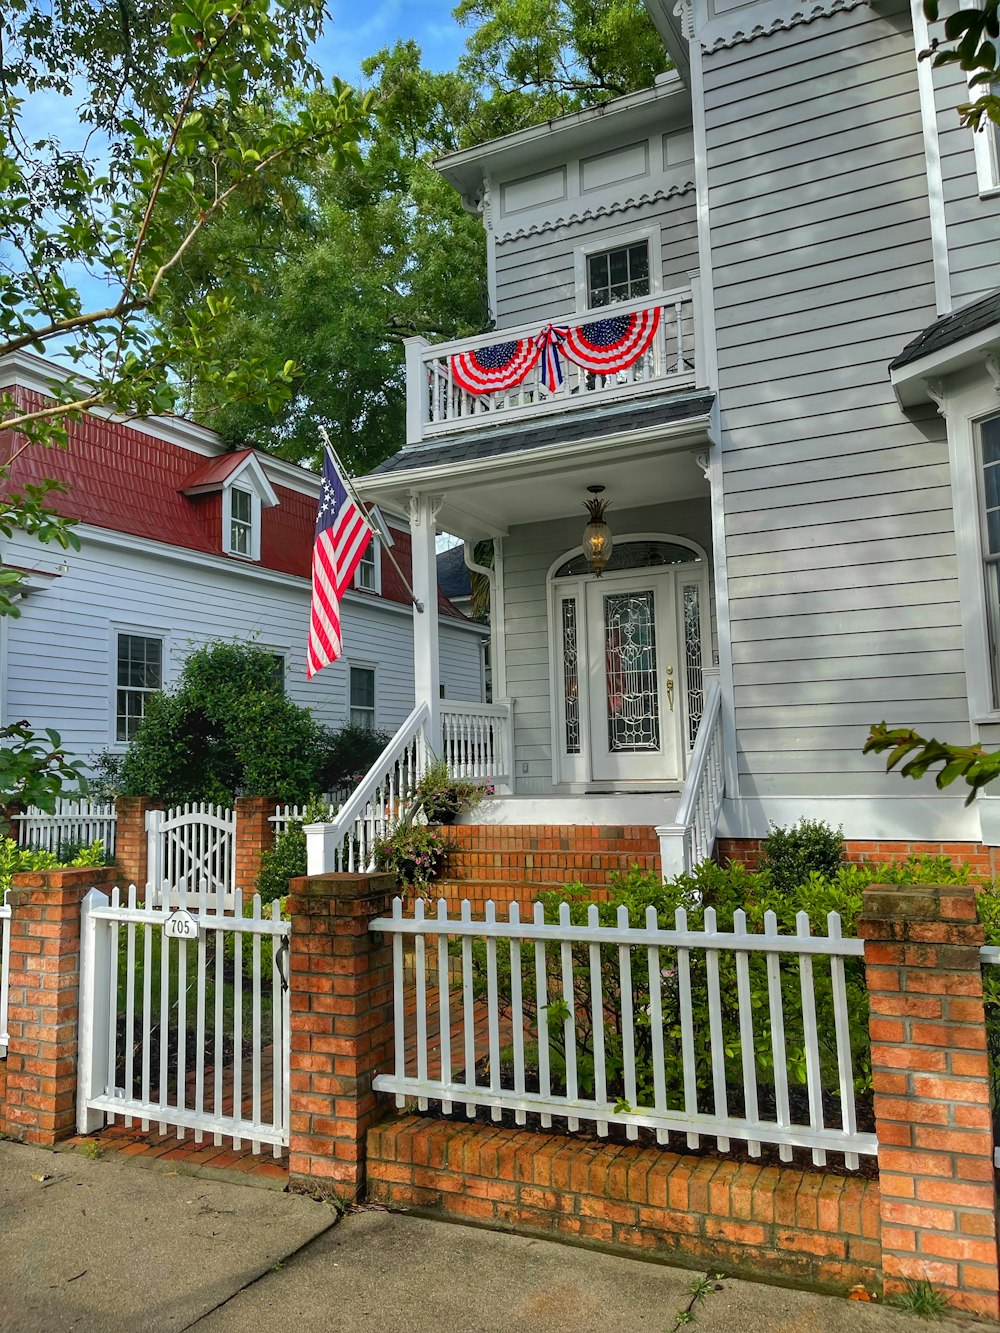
840	539
537	221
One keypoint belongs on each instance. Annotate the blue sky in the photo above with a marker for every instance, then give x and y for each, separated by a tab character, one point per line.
355	32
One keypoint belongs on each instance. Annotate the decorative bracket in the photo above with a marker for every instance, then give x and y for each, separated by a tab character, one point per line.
704	463
993	369
936	392
435	501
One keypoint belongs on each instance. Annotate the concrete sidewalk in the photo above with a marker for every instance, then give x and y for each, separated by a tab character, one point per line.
105	1246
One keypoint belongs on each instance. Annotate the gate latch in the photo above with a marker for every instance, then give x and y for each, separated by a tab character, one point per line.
280	960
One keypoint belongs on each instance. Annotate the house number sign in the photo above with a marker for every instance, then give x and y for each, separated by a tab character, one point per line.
180	926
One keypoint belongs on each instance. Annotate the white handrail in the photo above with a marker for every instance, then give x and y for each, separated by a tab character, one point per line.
690	838
347	843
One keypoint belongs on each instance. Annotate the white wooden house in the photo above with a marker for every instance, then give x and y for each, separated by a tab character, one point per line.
801	468
184	542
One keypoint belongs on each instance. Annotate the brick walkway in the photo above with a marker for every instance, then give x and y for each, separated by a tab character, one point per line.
179	1149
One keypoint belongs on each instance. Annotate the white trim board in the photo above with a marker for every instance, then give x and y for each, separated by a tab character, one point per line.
918	815
584	811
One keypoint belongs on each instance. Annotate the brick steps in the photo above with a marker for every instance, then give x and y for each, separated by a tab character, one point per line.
502	892
509	857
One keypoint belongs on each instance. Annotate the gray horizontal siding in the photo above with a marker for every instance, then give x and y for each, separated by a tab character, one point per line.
535	275
840	535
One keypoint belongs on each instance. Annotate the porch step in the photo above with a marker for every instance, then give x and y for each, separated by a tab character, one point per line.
547	854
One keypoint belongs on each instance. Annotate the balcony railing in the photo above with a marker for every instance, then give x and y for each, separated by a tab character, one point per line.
437	403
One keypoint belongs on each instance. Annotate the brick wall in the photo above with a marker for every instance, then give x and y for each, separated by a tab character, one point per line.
254	836
984	860
806	1226
548	854
130	838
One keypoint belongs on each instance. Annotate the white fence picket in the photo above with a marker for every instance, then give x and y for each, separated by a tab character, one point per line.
674	957
71	821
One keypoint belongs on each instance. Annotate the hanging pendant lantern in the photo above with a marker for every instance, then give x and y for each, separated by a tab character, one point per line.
597	536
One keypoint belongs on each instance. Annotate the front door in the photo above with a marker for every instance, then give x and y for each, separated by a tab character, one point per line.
632	641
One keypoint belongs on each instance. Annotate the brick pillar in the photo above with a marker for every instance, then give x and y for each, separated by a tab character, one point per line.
130	838
254	836
42	1017
932	1091
342	1034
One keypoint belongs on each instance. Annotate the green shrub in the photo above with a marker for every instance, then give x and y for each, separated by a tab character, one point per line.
225	729
790	855
14	859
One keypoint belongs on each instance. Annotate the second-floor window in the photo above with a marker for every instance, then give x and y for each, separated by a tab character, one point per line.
241	522
989	441
366	574
139	674
618	275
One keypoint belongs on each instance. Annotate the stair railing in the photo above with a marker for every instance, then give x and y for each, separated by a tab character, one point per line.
378	803
690	839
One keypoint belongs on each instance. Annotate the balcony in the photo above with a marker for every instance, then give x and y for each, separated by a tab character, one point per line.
439	401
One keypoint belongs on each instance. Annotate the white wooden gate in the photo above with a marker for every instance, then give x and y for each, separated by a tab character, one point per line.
191	850
185	1018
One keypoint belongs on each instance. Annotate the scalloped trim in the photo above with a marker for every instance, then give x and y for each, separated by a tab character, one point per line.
800	16
603	211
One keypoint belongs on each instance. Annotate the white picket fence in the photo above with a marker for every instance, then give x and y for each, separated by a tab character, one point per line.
172	1032
4	974
540	976
191	850
296	814
71	821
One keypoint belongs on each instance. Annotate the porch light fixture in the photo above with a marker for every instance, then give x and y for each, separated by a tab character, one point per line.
597	538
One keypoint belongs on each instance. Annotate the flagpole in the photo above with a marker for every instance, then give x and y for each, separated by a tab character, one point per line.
376	535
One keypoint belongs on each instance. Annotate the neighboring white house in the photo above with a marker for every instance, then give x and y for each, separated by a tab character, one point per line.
184	542
719	271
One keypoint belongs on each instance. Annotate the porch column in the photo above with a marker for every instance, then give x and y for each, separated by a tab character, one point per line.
426	659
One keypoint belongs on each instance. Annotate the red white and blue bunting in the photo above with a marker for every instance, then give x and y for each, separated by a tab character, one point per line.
604	346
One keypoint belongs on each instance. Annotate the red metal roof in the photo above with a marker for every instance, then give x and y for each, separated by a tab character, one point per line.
123	480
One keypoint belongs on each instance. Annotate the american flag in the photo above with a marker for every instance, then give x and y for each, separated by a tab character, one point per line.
342	535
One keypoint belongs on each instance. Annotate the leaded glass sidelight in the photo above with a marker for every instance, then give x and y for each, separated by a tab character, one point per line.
630	656
571	675
694	683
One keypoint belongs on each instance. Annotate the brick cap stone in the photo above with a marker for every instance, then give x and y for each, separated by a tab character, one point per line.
344	887
26	884
919	902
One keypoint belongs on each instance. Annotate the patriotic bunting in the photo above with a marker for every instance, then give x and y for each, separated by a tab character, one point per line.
500	366
602	345
612	344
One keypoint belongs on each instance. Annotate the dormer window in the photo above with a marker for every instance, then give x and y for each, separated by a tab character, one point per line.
366	576
241	522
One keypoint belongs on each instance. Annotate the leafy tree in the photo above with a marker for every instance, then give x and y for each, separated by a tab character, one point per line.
970	41
33	768
225	729
534	59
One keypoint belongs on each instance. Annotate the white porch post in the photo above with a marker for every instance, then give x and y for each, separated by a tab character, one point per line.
426	659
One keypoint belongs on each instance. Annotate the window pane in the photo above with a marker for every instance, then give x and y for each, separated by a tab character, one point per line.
362	687
638	257
990	432
991	482
598	270
993	531
241	505
239	539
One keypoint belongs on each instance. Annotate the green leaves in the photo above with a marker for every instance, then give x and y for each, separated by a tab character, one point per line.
970	41
970	762
33	768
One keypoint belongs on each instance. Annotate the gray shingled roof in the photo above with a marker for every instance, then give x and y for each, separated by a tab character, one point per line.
951	329
453	573
516	439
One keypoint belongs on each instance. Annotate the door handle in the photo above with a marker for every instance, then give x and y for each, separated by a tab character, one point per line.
670	687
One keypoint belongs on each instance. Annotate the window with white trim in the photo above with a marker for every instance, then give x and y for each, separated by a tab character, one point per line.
362	697
139	674
989	462
366	574
621	274
987	145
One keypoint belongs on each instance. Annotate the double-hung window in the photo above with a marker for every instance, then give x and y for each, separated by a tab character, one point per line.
987	145
241	527
139	674
615	275
366	574
989	455
362	697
